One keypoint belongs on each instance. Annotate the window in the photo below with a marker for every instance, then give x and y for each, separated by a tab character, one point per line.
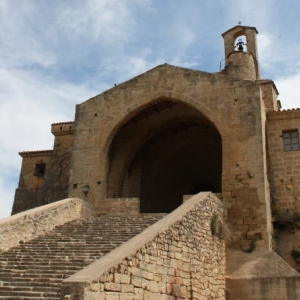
290	140
39	169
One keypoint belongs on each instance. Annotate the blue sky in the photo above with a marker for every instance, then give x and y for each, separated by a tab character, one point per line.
56	54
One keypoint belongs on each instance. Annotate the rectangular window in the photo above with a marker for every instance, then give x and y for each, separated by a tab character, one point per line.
40	169
290	140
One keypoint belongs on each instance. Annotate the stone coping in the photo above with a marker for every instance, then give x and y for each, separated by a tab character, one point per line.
32	223
113	258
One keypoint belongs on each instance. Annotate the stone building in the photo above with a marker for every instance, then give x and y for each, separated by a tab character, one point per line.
146	144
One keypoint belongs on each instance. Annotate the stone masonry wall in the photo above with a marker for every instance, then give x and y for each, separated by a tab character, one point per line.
284	172
276	288
269	95
233	105
176	258
284	165
26	193
27	225
120	206
39	189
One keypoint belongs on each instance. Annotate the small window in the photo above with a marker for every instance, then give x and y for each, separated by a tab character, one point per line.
290	140
40	169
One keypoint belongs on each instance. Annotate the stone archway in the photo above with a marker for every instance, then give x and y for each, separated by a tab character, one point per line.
165	151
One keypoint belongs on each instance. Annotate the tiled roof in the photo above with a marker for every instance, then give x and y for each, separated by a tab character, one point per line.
36	152
285	110
61	123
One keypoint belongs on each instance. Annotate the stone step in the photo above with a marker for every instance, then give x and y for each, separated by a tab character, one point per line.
26	298
35	269
51	265
28	294
51	289
20	281
32	283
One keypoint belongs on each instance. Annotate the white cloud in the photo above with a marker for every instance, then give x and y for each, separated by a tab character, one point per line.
55	54
108	20
43	53
7	189
28	107
289	91
20	38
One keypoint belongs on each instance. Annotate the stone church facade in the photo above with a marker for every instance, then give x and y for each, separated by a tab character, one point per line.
145	144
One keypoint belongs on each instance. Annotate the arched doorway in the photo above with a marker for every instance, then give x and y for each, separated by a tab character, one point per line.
165	151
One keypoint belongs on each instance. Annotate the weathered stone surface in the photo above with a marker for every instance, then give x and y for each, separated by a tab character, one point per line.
141	267
37	267
144	144
38	221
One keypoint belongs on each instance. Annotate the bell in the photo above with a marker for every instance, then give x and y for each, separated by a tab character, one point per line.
240	45
241	48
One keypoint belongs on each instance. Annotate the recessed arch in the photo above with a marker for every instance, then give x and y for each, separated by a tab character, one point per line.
153	134
134	108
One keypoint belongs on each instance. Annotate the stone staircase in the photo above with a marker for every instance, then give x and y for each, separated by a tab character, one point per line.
35	269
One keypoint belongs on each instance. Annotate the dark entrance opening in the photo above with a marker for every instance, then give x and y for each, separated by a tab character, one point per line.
164	152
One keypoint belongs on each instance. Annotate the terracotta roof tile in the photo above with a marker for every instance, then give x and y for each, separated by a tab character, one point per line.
36	152
61	123
285	110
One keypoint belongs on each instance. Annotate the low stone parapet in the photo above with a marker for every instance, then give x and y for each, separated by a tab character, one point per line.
270	288
32	223
176	258
260	276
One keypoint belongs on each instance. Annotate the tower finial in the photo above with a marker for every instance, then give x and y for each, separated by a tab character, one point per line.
239	22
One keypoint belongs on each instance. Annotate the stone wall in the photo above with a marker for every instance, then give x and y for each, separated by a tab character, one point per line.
120	206
234	107
35	188
28	225
284	177
176	258
260	276
269	95
29	183
278	288
284	174
284	165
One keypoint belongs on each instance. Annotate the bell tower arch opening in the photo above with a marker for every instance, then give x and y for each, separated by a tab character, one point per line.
165	151
241	43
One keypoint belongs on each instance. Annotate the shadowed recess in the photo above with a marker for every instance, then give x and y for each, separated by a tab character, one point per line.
163	153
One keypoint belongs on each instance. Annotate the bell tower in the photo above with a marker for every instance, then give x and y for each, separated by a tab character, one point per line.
241	58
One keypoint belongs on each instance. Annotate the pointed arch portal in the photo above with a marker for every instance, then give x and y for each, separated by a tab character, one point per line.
165	151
